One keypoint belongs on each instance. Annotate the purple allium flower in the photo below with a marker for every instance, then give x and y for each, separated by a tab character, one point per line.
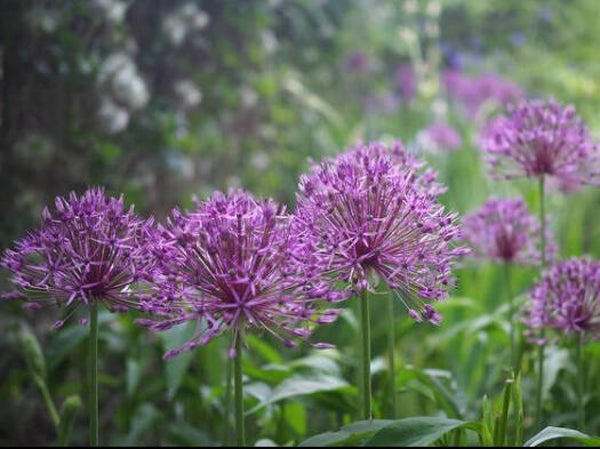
230	264
88	249
357	62
364	214
474	93
540	138
567	299
440	136
503	230
406	82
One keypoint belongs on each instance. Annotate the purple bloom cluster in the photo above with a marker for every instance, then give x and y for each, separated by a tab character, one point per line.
503	230
440	136
231	264
368	213
405	81
472	93
540	138
567	299
90	248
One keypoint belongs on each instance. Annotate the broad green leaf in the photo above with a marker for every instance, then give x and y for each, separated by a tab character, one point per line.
133	373
300	385
351	435
417	431
553	433
176	367
262	348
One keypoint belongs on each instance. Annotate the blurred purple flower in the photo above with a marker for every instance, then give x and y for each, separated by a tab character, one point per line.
503	230
439	136
540	138
357	62
406	82
90	248
385	103
230	265
567	299
364	215
473	93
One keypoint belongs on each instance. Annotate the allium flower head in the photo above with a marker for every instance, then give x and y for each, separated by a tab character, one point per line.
440	136
365	214
567	299
541	138
87	249
503	230
229	265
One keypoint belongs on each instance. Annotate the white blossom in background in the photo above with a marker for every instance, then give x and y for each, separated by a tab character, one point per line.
120	73
182	21
269	41
112	117
43	19
181	164
249	96
113	10
260	160
188	93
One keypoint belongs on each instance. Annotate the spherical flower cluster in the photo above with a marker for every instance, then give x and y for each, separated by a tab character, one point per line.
473	93
567	299
365	214
541	138
229	265
503	230
439	136
90	248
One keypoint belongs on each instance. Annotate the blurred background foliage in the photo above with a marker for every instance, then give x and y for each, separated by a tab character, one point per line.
165	99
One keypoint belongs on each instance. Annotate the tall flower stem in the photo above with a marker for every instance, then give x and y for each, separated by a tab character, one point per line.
93	373
366	354
239	393
227	411
580	389
511	318
540	380
392	356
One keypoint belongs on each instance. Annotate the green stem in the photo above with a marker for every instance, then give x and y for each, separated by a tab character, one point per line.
580	386
227	411
366	354
49	402
239	393
502	438
540	380
93	373
392	356
511	317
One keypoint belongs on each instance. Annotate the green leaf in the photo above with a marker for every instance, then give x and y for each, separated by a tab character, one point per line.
351	435
176	367
300	385
553	433
417	431
33	354
134	371
433	381
68	411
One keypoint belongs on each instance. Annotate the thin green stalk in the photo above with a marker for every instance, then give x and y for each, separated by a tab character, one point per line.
392	356
511	312
239	393
580	386
540	380
93	373
504	418
366	354
227	411
49	403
